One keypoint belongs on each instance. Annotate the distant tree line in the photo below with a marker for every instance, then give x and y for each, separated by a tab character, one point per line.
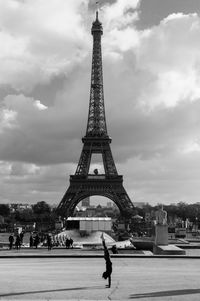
180	210
39	212
42	212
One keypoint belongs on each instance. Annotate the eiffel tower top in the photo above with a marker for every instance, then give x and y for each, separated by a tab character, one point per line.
96	125
97	25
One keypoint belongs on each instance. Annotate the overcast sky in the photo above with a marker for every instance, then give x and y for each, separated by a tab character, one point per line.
151	62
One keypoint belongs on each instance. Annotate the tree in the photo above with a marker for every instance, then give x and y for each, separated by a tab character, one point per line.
25	215
41	208
4	210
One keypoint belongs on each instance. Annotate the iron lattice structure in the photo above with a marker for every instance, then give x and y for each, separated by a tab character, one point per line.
96	140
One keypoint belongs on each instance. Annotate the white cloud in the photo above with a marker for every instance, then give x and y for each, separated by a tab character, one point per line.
170	53
40	39
31	132
120	14
7	119
39	105
191	147
23	170
31	183
119	20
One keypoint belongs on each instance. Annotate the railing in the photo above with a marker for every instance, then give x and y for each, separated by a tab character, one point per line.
96	177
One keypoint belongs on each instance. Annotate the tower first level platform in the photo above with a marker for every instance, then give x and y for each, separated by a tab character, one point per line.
82	187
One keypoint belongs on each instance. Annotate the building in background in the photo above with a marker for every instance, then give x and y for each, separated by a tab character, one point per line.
86	202
89	224
140	204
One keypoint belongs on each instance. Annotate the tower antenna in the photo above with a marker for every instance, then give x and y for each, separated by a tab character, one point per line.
97	9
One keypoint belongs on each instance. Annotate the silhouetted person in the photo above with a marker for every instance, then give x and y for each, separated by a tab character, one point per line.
31	241
67	243
36	241
11	241
108	272
114	249
96	171
21	235
71	242
18	242
49	242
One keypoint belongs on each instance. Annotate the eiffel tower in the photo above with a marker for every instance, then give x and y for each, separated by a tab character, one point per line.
96	141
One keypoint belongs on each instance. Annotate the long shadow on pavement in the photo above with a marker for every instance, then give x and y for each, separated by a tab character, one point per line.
52	291
166	293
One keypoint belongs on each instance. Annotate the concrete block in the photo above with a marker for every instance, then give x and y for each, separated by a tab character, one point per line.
167	250
161	237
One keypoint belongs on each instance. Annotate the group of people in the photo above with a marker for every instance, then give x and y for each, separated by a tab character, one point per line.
34	241
17	242
69	243
49	241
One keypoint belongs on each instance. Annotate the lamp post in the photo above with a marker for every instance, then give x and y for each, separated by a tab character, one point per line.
196	224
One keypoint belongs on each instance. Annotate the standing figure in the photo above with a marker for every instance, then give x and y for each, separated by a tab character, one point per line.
18	242
114	249
108	272
11	240
67	243
37	241
21	235
71	242
49	242
31	241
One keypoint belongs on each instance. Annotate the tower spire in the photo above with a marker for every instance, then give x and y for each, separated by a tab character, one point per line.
96	125
97	10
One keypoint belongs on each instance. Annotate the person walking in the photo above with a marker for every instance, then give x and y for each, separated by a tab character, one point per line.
11	240
108	272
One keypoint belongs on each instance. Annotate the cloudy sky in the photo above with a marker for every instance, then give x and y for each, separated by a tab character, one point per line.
151	61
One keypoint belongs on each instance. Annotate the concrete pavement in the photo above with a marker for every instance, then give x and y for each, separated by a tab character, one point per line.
80	279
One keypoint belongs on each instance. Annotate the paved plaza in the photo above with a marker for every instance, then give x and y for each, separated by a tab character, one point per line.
80	279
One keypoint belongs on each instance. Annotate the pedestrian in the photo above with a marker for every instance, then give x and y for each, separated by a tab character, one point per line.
67	243
49	242
18	242
21	235
31	241
37	241
11	240
71	242
114	249
108	272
